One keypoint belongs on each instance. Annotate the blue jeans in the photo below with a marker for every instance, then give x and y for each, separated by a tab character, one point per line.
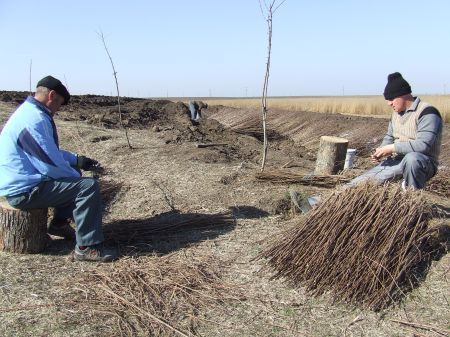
77	198
415	168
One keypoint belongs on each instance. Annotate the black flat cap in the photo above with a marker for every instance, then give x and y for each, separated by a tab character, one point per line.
54	84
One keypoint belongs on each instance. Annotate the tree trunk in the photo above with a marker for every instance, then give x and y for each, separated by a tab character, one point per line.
22	231
331	155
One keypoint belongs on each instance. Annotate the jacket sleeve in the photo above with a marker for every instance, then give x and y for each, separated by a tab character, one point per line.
38	143
70	157
389	136
428	128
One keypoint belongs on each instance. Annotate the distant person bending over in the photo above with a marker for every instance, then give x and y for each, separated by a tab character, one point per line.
36	173
410	149
196	108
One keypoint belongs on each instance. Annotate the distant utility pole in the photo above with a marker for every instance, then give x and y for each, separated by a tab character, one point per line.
445	89
246	91
65	81
210	93
343	91
31	64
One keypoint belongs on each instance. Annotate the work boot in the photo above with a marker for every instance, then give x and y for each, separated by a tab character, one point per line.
95	253
308	203
62	229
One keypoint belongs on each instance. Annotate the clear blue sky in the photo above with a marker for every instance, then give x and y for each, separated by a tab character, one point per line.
219	48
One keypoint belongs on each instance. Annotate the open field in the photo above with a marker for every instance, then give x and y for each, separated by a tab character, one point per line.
356	105
166	177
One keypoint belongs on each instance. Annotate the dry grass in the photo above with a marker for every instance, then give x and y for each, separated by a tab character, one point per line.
355	105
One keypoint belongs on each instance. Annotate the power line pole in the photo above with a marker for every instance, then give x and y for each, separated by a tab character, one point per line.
31	64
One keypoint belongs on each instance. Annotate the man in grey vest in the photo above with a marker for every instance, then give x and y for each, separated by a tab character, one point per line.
410	149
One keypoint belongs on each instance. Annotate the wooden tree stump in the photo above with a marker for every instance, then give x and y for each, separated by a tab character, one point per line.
22	231
331	155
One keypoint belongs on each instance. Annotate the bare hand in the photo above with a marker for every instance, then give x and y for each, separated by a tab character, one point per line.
383	151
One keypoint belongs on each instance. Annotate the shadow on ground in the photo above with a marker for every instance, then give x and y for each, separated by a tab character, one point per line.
248	212
166	232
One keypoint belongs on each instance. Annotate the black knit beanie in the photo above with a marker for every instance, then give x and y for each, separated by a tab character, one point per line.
396	87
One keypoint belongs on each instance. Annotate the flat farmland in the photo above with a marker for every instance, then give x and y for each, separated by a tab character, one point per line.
166	177
355	105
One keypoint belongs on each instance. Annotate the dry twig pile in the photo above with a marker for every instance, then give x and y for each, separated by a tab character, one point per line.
366	245
283	177
440	184
159	296
129	231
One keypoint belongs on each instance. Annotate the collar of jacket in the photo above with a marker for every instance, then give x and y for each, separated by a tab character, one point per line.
44	109
39	105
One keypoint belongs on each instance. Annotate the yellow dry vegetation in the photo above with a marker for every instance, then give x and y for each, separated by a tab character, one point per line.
355	105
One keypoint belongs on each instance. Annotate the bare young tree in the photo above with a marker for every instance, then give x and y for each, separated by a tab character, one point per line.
117	87
268	9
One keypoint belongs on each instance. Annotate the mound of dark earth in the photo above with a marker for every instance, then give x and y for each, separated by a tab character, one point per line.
171	121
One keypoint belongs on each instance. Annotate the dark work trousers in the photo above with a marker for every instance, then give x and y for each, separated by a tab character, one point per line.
415	168
77	198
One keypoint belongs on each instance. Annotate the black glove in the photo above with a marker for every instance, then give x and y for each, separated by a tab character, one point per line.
87	164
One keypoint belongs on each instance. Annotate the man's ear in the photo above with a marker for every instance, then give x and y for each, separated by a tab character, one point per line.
51	95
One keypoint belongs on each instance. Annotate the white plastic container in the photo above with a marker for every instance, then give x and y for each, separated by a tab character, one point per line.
350	156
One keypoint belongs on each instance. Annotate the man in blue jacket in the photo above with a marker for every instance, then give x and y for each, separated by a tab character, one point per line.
36	173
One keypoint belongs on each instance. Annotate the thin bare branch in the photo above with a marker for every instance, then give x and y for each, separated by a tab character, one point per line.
269	19
282	2
262	10
102	37
168	197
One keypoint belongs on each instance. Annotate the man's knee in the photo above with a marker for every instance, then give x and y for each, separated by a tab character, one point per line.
418	169
414	161
90	185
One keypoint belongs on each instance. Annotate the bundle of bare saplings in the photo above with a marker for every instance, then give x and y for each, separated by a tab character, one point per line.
368	245
440	183
285	177
134	231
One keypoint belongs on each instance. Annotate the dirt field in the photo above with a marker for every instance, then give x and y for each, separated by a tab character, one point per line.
40	295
